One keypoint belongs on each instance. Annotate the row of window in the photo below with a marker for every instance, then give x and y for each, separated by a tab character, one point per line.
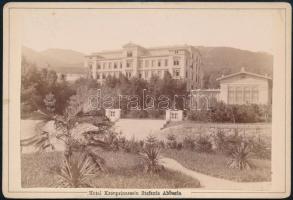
159	62
141	74
243	94
129	64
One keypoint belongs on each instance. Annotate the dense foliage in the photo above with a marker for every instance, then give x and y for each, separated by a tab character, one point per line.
134	96
37	83
220	112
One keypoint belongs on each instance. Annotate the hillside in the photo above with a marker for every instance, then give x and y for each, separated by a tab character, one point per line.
226	60
60	60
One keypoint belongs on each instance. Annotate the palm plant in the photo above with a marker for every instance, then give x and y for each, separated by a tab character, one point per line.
151	155
79	139
76	172
240	157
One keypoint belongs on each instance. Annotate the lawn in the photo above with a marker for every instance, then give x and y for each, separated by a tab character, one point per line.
124	170
215	164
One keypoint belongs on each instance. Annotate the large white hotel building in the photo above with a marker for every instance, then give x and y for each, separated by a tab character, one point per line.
182	62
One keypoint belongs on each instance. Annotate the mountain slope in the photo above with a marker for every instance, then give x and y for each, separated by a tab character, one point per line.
62	57
60	60
226	60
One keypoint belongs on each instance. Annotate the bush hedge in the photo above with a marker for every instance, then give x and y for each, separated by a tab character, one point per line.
221	112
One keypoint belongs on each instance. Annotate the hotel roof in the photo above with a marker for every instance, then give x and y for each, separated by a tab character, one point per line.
130	44
244	72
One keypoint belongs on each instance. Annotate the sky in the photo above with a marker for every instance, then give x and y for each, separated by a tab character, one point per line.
90	31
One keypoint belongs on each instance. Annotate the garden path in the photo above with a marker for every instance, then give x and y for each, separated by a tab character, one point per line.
209	182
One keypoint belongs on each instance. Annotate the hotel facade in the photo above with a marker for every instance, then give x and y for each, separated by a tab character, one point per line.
182	62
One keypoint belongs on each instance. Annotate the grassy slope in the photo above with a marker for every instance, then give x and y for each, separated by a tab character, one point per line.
124	171
216	165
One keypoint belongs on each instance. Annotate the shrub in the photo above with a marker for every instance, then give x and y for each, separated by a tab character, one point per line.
137	114
179	146
231	143
112	140
221	112
199	115
203	144
260	149
188	143
171	141
240	157
151	155
76	172
220	140
132	146
154	113
162	144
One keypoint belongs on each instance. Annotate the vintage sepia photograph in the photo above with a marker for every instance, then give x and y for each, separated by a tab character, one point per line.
147	100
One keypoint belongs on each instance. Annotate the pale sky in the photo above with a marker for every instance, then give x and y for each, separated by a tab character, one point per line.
90	31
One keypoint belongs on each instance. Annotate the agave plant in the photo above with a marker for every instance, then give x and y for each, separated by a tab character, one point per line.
240	157
78	138
76	172
151	155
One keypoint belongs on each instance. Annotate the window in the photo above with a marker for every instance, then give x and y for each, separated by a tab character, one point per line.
146	74
99	66
98	76
186	74
128	74
247	93
120	65
242	94
115	65
176	61
254	98
159	73
176	51
140	63
153	63
176	73
128	64
112	113
239	95
231	94
103	76
166	62
140	75
159	63
104	65
165	72
146	63
110	65
174	115
129	54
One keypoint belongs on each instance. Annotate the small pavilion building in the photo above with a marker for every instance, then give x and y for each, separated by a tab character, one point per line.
245	88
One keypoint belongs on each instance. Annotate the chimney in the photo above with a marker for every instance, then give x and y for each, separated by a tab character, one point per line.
242	69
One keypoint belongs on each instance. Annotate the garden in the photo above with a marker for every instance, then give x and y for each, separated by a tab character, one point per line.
96	156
